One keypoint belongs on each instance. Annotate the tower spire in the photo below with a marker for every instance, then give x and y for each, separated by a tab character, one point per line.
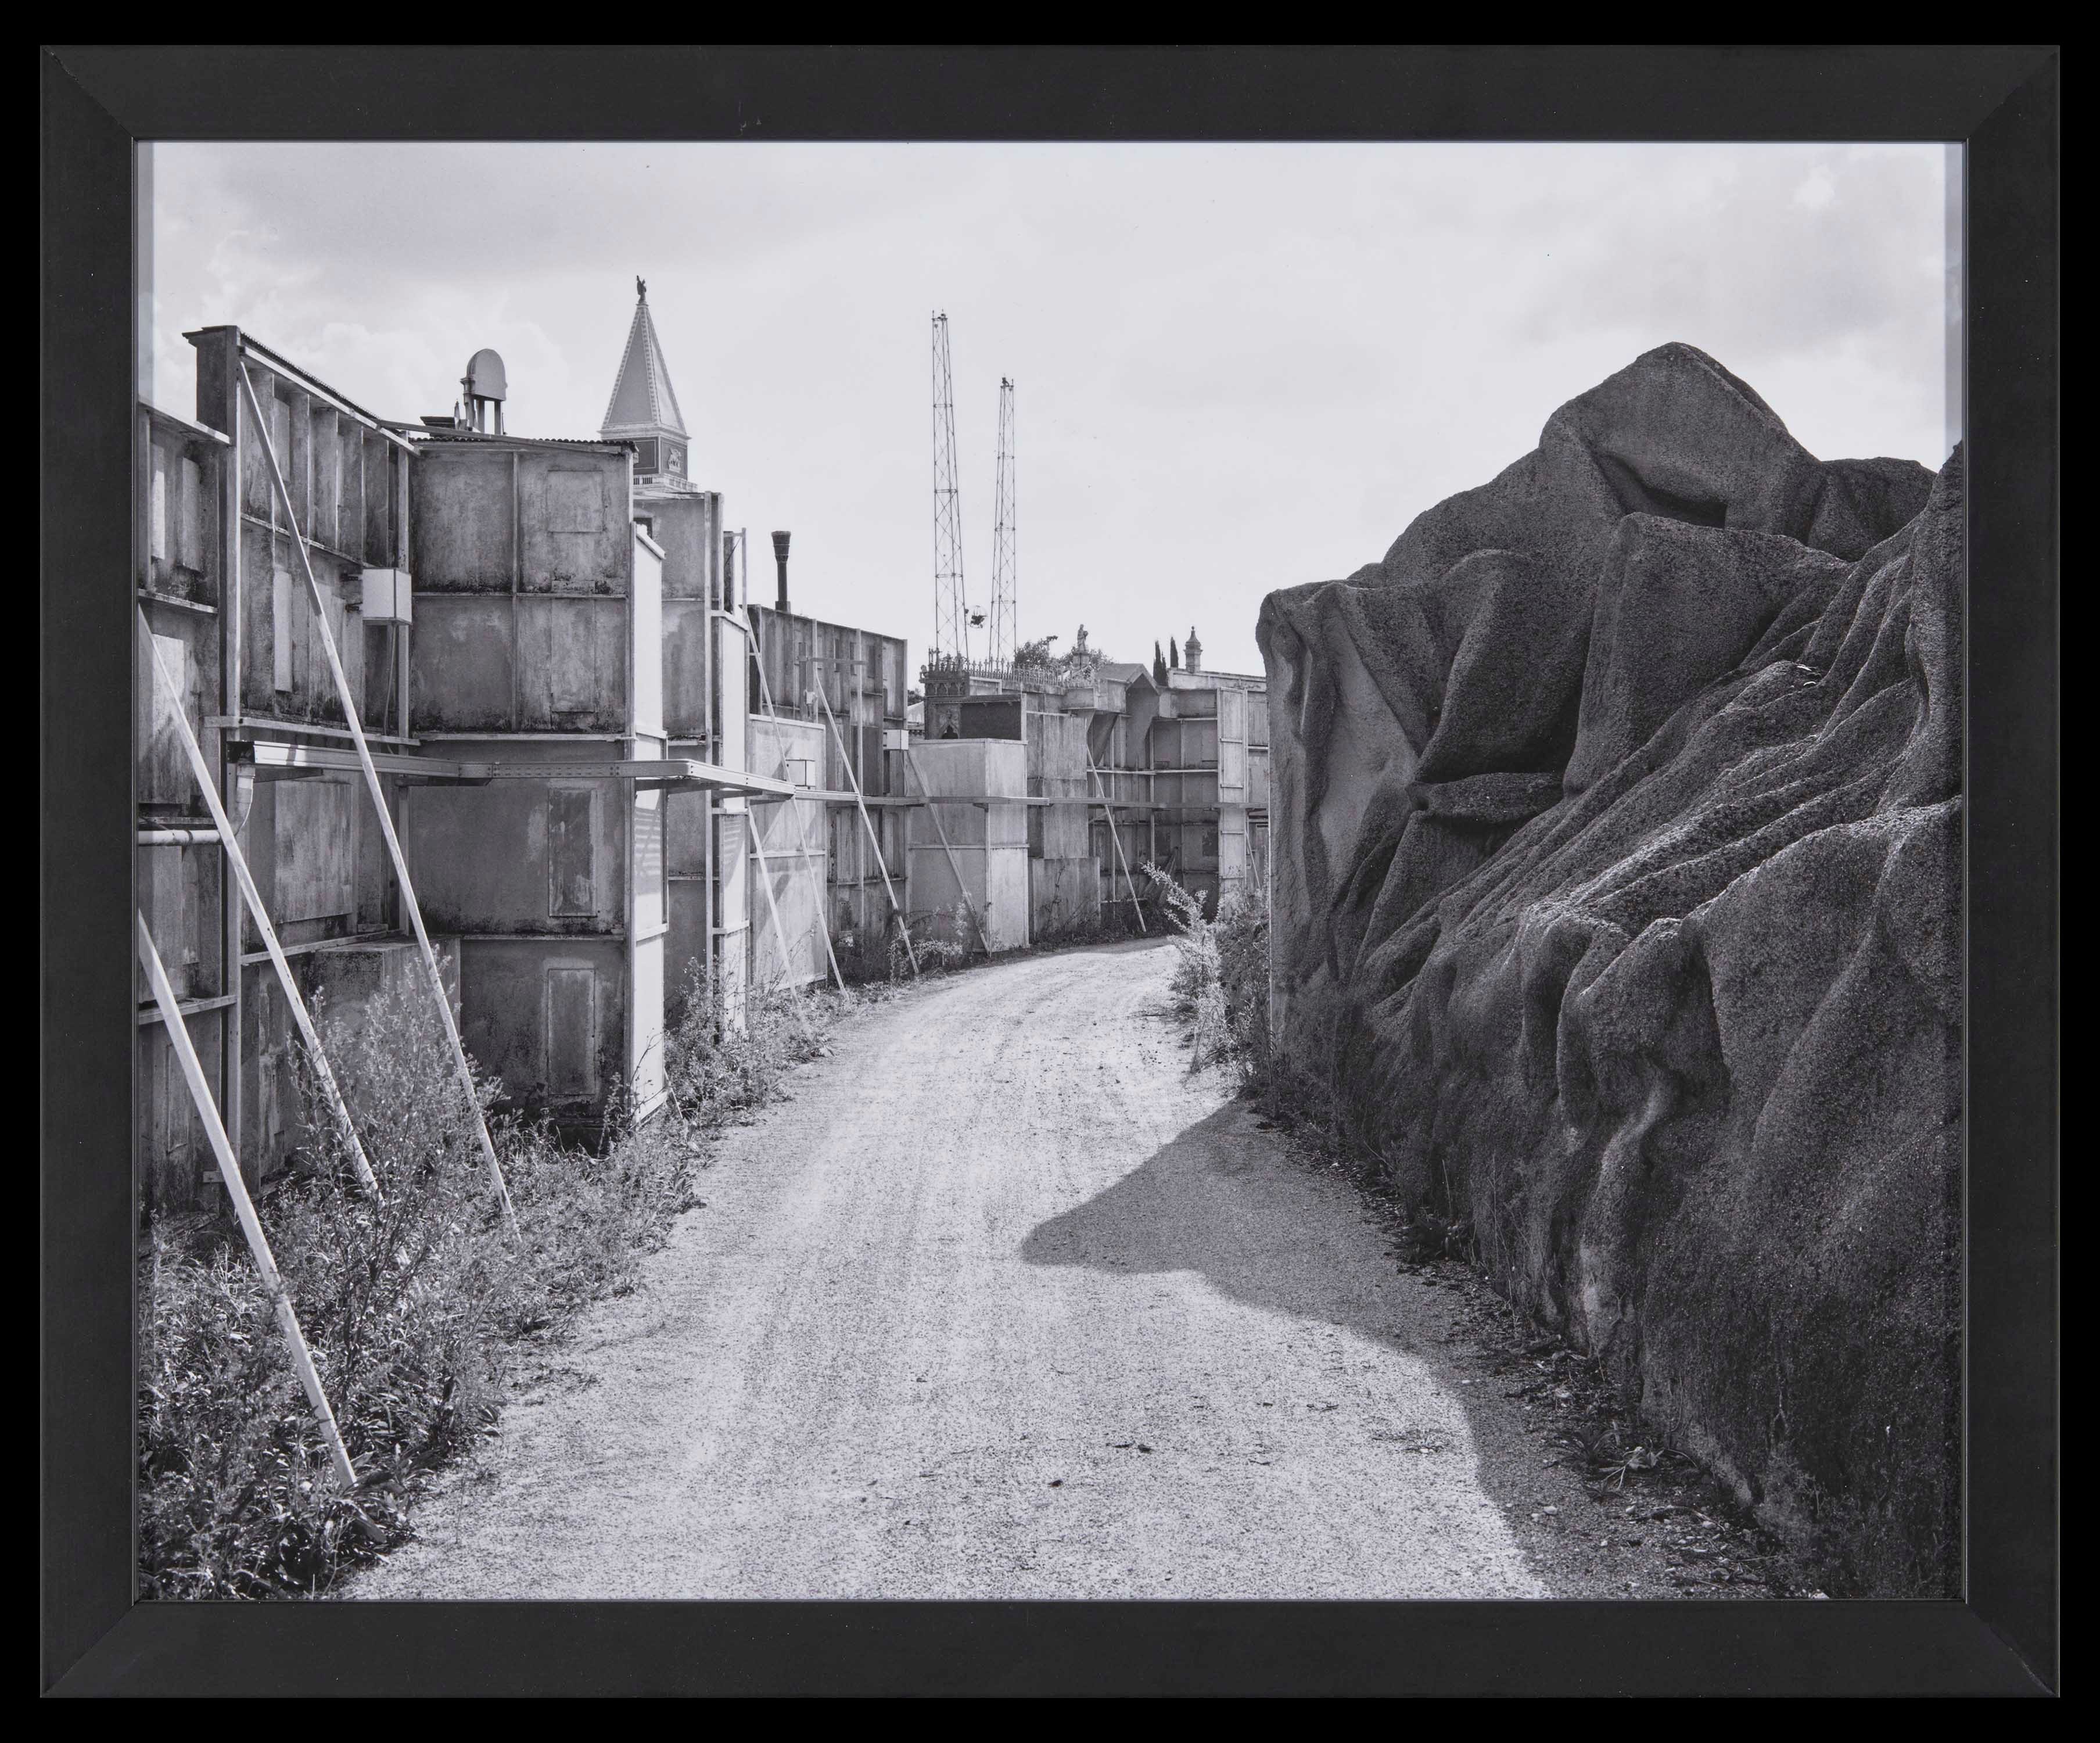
644	408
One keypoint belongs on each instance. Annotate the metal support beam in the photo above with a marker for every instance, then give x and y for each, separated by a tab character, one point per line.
1129	883
274	760
773	907
802	840
954	866
229	841
236	1188
379	804
874	840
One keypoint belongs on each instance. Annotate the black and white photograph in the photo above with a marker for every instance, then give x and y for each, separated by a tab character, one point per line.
1075	871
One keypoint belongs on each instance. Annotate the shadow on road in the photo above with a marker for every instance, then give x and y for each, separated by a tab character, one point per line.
1224	1199
1229	1200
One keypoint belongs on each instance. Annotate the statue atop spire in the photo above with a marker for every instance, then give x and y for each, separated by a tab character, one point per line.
640	287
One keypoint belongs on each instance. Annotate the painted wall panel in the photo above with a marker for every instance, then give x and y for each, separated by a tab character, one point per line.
685	944
177	888
380	479
525	1016
462	666
188	650
482	857
686	627
573	665
173	1151
572	852
575	522
324	448
316	850
686	822
462	524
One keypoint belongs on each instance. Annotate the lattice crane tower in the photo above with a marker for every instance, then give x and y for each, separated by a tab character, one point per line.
951	611
1005	574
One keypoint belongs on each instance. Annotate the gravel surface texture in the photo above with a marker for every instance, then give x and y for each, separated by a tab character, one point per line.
1005	1301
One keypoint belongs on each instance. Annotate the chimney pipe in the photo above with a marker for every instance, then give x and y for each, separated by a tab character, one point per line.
780	559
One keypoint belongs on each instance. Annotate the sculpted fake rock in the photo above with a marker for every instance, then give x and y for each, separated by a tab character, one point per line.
1616	841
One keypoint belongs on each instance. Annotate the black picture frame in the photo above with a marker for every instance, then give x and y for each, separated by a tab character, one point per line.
2003	101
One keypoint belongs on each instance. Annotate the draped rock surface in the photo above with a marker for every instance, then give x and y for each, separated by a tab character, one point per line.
1616	853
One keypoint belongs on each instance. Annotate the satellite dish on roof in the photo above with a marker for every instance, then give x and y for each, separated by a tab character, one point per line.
485	388
484	376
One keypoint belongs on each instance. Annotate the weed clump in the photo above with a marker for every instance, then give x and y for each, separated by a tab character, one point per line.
723	1059
1220	984
414	1305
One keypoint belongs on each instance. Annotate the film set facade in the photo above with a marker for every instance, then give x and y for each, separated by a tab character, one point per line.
614	780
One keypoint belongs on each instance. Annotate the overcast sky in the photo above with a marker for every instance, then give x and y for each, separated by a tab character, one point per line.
1237	367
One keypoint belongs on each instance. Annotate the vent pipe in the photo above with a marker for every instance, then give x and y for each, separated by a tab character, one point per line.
780	559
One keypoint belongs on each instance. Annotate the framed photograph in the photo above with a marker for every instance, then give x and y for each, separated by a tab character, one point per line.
1026	871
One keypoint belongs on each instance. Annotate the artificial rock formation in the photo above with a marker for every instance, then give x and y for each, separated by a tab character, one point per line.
1617	847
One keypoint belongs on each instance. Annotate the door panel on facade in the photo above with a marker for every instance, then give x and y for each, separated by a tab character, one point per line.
571	1032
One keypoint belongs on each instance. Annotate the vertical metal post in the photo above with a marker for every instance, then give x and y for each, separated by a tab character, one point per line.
251	1226
231	614
385	819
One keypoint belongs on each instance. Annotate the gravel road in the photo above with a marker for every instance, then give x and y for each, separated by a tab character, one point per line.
1004	1302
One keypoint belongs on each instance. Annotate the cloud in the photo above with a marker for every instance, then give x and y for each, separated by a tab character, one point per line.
1238	367
1782	251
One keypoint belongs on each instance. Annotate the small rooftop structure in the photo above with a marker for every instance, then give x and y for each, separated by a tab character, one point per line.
486	387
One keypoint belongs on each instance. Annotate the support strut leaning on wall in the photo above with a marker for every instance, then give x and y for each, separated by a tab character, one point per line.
1108	810
229	841
379	805
773	907
874	840
954	866
236	1188
802	845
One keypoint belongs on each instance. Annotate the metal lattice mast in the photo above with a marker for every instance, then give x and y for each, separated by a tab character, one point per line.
951	615
1005	576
